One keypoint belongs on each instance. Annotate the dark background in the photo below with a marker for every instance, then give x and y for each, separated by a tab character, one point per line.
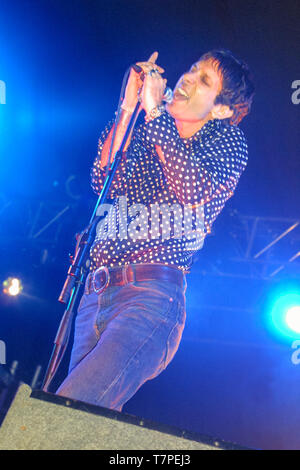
63	64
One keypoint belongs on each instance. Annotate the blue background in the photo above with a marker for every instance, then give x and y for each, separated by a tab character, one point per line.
63	64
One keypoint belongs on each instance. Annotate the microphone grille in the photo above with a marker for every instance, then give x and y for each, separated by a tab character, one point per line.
168	95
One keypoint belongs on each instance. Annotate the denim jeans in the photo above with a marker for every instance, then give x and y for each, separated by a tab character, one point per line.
123	337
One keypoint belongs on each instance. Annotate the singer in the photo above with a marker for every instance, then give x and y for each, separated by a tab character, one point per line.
178	169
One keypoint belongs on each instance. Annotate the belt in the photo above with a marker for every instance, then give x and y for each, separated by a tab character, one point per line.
103	277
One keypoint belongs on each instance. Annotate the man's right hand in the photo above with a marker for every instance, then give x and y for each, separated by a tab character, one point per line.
135	83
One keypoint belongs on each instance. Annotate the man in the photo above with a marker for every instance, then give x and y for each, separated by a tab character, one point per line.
177	172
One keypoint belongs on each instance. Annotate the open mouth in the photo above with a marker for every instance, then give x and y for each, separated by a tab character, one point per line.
180	94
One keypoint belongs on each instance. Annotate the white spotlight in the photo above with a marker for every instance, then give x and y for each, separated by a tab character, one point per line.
12	286
292	318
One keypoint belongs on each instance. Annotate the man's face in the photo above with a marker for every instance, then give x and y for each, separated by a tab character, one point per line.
195	93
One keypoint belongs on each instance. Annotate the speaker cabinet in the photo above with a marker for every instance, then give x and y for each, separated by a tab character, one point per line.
38	420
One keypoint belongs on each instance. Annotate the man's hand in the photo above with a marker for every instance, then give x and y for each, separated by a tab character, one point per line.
150	97
135	84
153	91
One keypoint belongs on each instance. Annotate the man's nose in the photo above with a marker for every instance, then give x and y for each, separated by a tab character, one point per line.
189	77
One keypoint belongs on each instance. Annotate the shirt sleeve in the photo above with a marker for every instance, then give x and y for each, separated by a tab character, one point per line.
119	183
200	170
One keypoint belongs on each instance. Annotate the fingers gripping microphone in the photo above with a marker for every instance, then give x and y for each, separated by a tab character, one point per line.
168	94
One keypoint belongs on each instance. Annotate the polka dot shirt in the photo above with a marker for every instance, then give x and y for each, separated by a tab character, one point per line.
166	193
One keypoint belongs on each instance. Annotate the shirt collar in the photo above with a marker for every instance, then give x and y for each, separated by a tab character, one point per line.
209	128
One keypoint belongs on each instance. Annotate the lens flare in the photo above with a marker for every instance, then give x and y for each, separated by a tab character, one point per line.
12	286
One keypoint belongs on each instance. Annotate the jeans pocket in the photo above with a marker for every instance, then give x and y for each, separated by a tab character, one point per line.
157	297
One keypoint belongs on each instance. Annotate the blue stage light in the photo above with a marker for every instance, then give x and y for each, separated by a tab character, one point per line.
12	286
284	316
292	318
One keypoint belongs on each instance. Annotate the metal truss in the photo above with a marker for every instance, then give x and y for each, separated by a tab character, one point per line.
32	219
38	227
263	248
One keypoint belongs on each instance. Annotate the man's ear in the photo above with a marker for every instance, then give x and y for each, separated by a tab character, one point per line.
221	111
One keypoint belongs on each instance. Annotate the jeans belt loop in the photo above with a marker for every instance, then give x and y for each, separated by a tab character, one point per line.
107	279
124	275
128	274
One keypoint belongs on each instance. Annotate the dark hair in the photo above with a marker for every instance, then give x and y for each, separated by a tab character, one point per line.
238	90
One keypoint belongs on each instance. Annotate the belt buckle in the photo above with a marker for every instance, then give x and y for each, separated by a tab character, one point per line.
107	279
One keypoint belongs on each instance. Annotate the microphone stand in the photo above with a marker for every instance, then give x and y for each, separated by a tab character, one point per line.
78	270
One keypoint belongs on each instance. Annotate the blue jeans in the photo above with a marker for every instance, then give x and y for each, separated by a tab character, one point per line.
123	337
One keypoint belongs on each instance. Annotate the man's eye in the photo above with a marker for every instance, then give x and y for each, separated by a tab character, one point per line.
203	79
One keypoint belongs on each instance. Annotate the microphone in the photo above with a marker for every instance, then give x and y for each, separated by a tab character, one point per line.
168	94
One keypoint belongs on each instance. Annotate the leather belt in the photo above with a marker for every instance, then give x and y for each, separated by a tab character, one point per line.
103	277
